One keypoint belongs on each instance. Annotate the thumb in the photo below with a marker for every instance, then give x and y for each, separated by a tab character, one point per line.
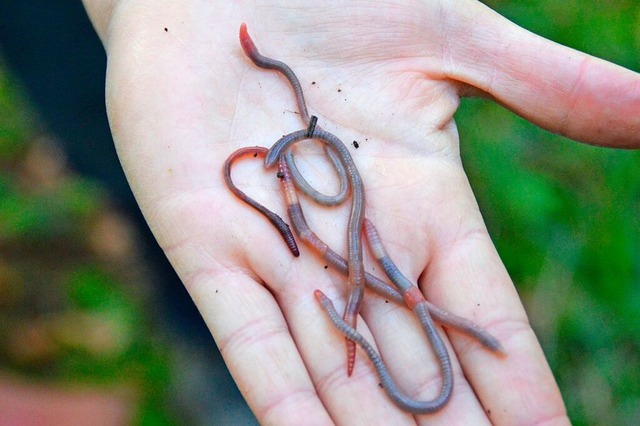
558	88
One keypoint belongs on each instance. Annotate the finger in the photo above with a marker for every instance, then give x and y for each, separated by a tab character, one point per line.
254	340
558	88
466	276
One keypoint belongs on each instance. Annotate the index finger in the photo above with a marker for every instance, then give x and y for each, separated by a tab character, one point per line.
558	88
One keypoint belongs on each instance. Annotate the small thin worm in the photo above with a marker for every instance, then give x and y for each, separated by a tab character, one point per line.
275	220
312	125
399	398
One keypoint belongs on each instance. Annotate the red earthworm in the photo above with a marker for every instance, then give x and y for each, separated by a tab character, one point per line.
356	267
413	297
275	220
354	228
402	400
250	49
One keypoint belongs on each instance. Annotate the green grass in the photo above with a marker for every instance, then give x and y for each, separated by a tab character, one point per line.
564	217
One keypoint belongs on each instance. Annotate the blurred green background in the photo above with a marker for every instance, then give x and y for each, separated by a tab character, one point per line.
72	285
564	217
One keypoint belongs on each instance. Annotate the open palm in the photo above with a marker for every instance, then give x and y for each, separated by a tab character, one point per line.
182	96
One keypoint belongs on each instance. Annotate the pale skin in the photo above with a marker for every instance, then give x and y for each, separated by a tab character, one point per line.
181	100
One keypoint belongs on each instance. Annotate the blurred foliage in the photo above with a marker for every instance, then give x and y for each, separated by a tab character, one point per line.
564	217
71	299
15	121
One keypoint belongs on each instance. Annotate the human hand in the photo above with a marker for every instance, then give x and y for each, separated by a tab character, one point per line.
182	99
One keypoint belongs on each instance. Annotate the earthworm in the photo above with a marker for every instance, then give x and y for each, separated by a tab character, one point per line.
402	400
416	302
250	49
275	220
354	228
354	238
